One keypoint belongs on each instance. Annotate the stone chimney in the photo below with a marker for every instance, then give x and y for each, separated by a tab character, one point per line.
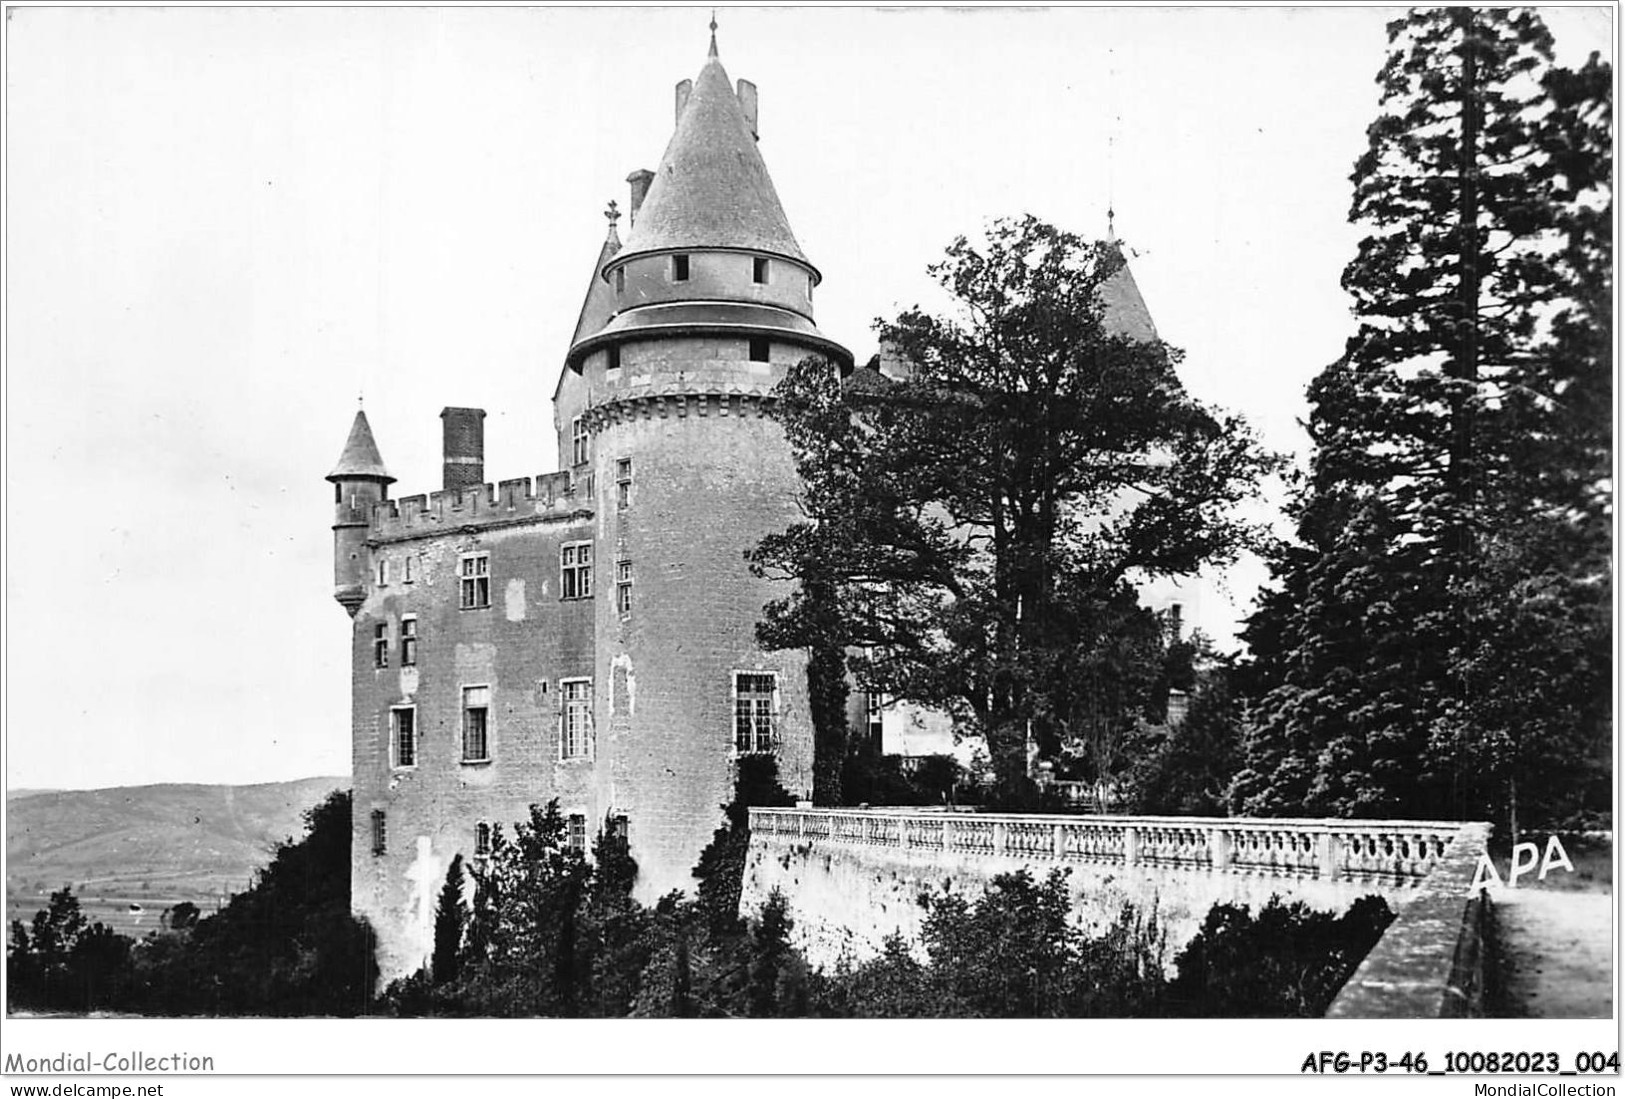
464	448
893	363
747	103
640	181
684	87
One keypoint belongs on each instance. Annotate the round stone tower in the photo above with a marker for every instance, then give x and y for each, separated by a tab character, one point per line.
688	328
359	482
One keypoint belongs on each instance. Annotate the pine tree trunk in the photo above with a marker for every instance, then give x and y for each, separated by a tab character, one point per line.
1465	365
827	694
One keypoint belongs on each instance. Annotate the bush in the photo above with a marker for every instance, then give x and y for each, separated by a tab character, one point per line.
1285	962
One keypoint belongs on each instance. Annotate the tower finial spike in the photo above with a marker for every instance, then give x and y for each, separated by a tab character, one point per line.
612	214
713	52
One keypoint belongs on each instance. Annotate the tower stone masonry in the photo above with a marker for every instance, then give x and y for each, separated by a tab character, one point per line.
589	635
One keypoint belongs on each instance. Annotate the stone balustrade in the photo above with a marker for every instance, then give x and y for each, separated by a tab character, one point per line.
1388	852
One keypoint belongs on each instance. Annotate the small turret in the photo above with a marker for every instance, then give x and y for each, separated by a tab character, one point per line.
360	481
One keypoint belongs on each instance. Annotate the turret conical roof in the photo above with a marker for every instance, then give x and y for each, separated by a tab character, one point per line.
360	460
712	189
599	304
1126	313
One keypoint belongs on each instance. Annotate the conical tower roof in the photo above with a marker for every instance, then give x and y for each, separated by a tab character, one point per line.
600	304
1125	310
360	460
712	189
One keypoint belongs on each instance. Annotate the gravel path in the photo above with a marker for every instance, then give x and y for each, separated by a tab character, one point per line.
1556	953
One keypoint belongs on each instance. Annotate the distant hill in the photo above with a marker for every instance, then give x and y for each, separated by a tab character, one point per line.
131	851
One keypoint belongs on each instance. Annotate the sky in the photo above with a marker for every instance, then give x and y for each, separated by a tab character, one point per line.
223	225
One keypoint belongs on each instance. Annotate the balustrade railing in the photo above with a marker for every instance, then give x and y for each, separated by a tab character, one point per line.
1395	852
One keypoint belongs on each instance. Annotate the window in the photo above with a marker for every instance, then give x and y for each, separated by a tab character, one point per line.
620	280
409	566
474	572
403	735
578	833
875	704
380	836
578	442
476	715
679	269
380	645
619	827
575	570
482	840
623	587
758	349
623	482
755	711
809	287
758	270
612	357
383	572
575	715
409	641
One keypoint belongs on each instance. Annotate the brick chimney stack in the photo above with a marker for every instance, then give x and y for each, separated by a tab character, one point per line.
640	181
463	448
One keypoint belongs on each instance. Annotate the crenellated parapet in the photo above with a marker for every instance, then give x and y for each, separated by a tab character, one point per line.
664	403
548	496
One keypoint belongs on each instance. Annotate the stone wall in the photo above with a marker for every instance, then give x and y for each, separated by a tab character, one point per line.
1430	962
519	646
854	877
679	497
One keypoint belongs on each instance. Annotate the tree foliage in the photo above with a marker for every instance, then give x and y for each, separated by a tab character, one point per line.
1187	768
287	945
64	962
969	526
1438	632
1284	961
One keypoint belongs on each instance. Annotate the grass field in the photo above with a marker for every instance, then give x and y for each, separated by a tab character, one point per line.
130	852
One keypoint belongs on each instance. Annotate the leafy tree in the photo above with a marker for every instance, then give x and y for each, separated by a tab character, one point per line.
770	956
1454	522
524	932
450	922
1188	770
182	916
64	962
720	871
870	778
1013	952
617	930
967	524
288	945
1284	962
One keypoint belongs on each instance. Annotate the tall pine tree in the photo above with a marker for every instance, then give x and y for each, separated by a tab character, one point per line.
1448	571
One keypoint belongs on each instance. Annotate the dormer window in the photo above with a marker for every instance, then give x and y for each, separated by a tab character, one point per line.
679	269
758	270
